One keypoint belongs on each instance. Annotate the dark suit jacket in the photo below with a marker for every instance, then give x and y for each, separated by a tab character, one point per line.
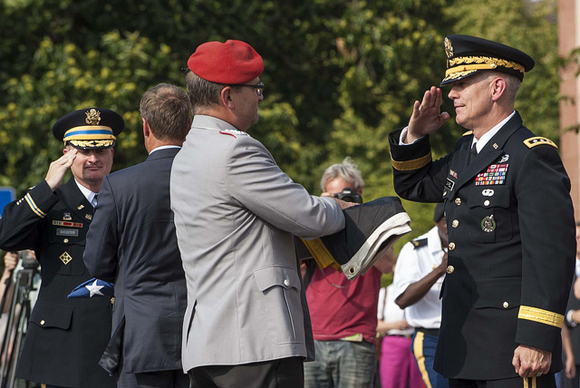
511	246
132	242
65	337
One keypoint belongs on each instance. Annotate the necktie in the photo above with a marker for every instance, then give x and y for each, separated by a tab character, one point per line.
472	153
94	201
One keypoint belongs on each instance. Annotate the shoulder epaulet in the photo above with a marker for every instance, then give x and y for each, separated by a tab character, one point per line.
421	242
233	132
467	133
536	141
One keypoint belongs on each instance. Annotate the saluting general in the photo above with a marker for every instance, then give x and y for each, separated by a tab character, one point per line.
247	322
65	337
509	217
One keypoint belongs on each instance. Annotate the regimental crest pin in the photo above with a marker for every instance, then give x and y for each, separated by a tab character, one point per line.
89	216
488	224
66	217
65	258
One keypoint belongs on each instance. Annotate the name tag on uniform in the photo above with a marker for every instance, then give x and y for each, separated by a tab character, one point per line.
67	232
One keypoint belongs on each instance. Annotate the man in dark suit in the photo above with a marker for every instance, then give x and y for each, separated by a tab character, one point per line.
65	337
133	243
510	222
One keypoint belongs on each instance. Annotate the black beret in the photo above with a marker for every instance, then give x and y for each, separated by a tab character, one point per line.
89	128
468	55
439	212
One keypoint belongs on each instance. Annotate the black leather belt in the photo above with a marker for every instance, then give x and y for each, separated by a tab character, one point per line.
433	332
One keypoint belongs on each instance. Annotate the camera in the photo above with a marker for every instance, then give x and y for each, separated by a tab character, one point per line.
348	195
27	259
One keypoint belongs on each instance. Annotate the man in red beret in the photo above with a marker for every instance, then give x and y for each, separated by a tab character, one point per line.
236	212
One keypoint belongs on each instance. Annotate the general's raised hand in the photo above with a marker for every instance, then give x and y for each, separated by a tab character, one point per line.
58	169
427	116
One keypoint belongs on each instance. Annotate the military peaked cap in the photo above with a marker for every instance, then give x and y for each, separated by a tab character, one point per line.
468	55
89	128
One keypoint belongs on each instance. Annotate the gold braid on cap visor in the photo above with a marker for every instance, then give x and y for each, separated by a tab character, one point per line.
462	66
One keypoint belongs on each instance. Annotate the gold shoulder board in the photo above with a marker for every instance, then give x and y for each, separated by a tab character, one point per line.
536	141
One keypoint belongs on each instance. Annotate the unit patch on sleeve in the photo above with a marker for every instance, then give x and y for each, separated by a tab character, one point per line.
494	175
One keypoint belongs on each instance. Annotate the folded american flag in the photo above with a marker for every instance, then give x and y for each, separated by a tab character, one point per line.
92	287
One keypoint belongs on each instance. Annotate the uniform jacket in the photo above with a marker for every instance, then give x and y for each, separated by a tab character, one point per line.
132	242
65	337
235	214
511	246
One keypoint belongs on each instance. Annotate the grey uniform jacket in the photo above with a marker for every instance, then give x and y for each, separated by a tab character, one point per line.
236	213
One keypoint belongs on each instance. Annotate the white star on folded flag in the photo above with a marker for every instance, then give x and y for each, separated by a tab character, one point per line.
94	289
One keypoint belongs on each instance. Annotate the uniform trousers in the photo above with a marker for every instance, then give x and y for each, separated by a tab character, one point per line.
160	379
282	373
423	348
546	381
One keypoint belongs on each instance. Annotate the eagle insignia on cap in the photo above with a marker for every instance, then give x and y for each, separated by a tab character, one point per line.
93	117
448	48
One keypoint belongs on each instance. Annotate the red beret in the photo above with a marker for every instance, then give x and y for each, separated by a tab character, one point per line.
232	62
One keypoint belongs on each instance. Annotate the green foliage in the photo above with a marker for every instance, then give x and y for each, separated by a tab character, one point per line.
340	75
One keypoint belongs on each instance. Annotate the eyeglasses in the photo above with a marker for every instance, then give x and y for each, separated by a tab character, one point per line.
259	88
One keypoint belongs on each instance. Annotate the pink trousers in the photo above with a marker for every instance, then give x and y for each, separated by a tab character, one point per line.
398	368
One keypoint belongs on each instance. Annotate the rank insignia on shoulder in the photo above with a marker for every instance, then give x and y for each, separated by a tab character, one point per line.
19	201
494	175
65	258
536	141
66	217
419	243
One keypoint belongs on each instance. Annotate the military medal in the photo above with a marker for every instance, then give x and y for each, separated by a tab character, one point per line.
488	224
494	175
